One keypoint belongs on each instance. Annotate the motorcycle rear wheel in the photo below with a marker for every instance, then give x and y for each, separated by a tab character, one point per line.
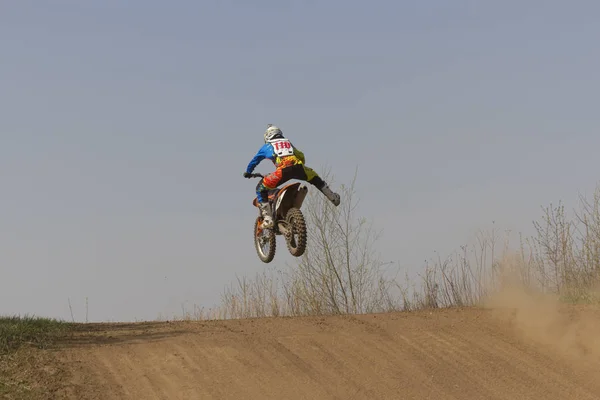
296	241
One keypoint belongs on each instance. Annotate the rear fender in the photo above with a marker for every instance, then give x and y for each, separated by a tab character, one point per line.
300	196
290	196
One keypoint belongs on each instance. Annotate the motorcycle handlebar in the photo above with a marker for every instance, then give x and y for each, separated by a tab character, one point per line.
256	176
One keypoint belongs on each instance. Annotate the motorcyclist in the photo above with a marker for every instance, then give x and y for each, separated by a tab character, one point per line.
289	164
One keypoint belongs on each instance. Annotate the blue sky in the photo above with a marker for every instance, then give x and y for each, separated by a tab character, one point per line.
126	126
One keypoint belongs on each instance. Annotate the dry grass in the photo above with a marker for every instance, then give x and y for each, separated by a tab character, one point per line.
340	273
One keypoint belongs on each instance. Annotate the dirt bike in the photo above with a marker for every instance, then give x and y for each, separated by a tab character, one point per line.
288	221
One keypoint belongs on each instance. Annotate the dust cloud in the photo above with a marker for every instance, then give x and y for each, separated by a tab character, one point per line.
571	330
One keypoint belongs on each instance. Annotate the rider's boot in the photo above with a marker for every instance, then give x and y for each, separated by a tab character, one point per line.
332	196
265	209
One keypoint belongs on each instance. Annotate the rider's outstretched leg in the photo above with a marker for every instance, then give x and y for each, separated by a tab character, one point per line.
314	179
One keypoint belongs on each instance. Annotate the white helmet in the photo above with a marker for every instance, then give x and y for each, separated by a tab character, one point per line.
272	132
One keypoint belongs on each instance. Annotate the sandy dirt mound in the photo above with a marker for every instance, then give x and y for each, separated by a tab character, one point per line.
498	353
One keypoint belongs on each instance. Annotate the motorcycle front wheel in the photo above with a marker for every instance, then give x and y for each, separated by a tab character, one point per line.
264	238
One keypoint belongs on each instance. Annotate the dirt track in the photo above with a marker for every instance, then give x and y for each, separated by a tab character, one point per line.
445	354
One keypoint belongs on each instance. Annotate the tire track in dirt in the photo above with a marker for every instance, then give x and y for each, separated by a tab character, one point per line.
445	354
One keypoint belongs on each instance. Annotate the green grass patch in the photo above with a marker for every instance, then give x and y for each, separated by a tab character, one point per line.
580	298
39	332
16	391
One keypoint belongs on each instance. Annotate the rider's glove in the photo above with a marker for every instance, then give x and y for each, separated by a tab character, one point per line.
247	175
